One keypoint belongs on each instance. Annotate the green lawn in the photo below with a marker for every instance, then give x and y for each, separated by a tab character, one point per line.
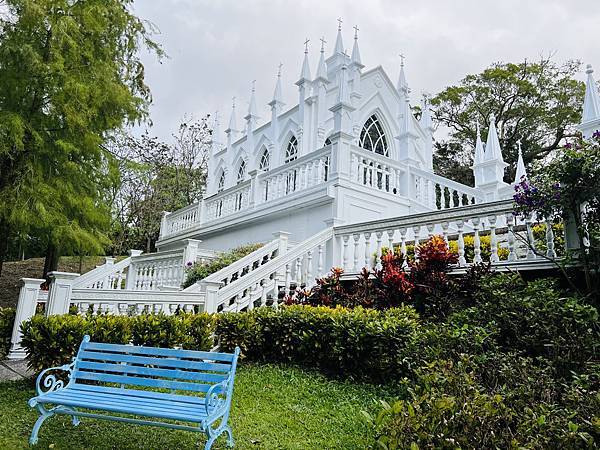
274	407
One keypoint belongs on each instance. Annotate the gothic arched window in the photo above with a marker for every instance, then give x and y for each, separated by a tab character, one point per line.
265	160
241	171
221	185
291	151
372	137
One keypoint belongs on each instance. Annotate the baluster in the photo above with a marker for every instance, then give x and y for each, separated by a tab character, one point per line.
309	267
172	308
461	242
263	293
356	237
512	255
417	231
445	226
298	271
476	240
288	276
403	250
430	227
367	235
122	309
378	236
550	253
320	266
345	256
493	240
390	240
530	239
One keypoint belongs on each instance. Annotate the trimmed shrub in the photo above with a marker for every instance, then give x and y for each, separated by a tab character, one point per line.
199	271
54	341
7	320
363	343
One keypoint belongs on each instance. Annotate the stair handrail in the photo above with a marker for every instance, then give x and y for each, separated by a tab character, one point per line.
100	272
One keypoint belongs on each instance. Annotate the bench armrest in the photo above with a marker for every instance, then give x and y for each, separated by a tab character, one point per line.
46	382
213	401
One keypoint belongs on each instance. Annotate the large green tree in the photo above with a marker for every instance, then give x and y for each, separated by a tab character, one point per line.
69	73
537	103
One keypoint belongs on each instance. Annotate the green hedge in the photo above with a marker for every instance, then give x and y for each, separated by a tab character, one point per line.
53	341
7	320
358	342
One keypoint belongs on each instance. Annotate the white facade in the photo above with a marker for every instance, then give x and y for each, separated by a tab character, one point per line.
349	151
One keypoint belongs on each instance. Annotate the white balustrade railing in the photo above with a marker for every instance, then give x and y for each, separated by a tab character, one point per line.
180	220
438	192
132	303
376	171
291	270
230	201
155	270
110	275
360	245
298	175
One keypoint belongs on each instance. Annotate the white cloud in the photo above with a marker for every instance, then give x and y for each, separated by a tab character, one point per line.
217	47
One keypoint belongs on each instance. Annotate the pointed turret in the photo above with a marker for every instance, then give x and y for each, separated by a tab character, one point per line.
322	67
215	134
425	121
355	59
339	45
232	128
305	72
478	147
521	170
277	96
493	152
402	84
276	107
252	114
590	121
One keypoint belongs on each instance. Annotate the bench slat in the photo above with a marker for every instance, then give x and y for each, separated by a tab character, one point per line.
138	393
184	415
141	381
152	371
91	398
157	351
163	362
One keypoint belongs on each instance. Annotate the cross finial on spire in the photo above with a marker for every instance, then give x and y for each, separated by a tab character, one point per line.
306	45
401	55
233	102
339	19
253	85
355	31
589	69
323	42
519	146
279	70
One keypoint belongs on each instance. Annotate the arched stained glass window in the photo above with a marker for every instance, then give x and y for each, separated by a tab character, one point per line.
291	151
372	137
241	171
265	160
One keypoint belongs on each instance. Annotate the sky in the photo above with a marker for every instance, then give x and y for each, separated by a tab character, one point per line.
216	48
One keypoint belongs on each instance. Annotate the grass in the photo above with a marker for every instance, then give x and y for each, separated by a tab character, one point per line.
274	407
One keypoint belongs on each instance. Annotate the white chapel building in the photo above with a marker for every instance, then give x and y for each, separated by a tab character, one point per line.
350	150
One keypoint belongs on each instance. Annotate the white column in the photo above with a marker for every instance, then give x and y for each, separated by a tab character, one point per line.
211	295
59	296
25	310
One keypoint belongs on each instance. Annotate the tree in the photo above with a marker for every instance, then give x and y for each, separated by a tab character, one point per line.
538	104
156	177
69	74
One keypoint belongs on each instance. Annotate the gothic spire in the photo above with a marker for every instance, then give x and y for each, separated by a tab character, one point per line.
322	68
355	52
305	72
277	96
339	45
492	146
343	94
252	114
232	121
402	84
478	147
425	121
521	171
215	132
591	103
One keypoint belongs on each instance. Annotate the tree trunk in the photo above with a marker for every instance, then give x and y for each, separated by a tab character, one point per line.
51	261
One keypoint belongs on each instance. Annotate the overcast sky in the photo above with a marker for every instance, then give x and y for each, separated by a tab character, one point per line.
217	47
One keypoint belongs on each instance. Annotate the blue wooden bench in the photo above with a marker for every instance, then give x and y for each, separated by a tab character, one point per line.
171	385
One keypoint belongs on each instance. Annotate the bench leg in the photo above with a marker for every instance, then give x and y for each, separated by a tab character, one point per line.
213	435
44	414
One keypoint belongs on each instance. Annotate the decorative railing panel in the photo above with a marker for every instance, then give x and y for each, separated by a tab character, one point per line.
438	192
152	271
229	201
110	275
376	171
301	174
181	220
